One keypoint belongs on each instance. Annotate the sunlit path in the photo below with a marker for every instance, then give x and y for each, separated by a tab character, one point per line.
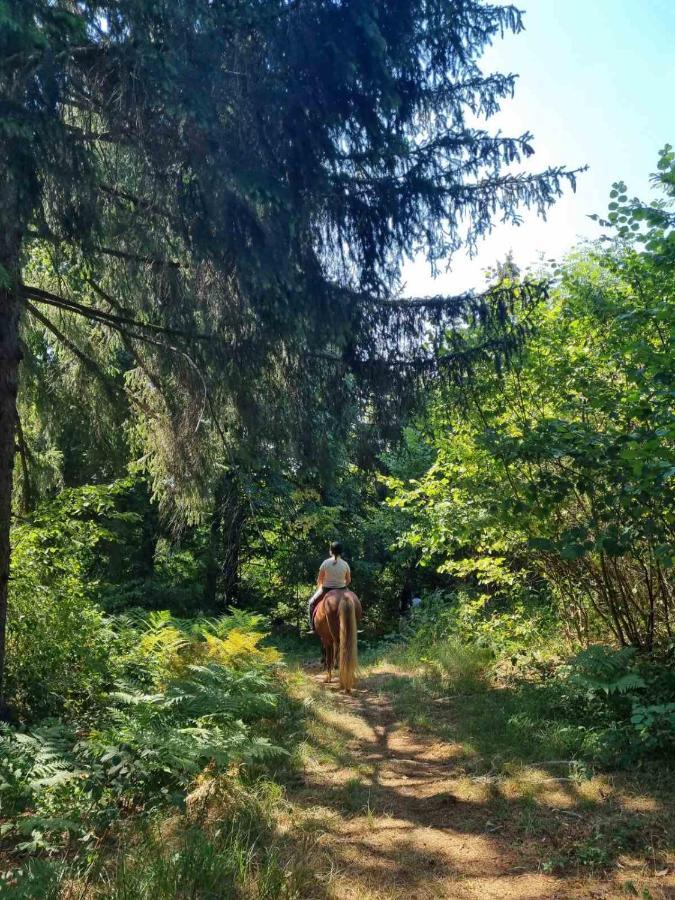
398	814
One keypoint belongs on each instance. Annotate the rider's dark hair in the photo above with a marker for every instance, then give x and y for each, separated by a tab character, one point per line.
336	549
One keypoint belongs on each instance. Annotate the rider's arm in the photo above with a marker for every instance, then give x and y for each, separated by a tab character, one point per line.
348	576
322	575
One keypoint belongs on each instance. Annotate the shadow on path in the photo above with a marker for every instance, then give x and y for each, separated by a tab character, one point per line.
403	813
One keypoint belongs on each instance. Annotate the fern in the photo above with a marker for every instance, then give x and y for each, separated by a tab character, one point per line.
33	761
192	695
603	670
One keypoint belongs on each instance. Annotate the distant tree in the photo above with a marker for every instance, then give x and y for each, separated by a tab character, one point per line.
231	187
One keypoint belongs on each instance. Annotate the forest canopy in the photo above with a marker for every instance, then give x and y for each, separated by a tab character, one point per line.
206	207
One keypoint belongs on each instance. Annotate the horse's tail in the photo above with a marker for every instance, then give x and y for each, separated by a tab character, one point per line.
348	642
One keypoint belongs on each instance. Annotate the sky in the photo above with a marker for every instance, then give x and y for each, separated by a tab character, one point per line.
596	87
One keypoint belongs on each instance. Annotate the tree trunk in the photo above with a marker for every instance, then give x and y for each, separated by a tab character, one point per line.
15	205
234	517
150	533
26	485
221	580
10	355
212	567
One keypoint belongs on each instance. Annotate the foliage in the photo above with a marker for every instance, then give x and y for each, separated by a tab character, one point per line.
236	854
471	617
181	242
60	643
288	536
187	697
605	705
557	474
168	647
145	702
635	696
209	268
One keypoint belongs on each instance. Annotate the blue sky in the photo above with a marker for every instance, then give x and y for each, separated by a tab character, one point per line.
596	87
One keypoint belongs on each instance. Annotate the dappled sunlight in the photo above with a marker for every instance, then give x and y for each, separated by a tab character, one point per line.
557	791
411	814
640	804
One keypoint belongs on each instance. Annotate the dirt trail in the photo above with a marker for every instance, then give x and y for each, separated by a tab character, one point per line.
397	816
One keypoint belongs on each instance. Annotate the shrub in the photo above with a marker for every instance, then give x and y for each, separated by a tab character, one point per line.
188	696
59	644
631	697
477	619
167	647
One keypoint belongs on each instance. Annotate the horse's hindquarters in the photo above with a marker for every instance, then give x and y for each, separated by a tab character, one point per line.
336	626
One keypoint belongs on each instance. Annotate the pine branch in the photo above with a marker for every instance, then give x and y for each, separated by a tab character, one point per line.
139	202
107	137
118	323
530	289
134	257
44	235
439	301
110	319
112	390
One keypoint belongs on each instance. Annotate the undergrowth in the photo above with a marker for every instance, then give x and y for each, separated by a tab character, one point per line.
224	846
83	797
532	694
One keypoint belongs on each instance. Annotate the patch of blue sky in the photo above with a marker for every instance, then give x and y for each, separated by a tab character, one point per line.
596	87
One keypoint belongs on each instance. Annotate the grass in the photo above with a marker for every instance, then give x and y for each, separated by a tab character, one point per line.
522	772
226	846
226	839
516	736
512	773
454	691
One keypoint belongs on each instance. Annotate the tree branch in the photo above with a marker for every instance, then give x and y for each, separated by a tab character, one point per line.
114	321
112	390
134	257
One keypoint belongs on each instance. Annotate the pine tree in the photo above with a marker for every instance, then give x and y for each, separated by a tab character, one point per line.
233	186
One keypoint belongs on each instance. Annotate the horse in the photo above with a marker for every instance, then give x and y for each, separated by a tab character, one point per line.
335	621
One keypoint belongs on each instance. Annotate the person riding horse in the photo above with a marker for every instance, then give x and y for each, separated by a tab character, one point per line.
334	573
334	614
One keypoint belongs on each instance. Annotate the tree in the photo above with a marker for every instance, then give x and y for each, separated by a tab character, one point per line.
232	186
563	466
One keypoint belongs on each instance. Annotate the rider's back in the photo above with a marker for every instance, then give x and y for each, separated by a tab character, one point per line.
335	572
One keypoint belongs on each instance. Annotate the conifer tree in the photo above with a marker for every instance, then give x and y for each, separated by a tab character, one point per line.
233	186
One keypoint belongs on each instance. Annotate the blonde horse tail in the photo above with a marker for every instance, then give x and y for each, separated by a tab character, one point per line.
348	643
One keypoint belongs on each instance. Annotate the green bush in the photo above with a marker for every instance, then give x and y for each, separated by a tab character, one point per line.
500	627
60	647
629	697
607	705
237	854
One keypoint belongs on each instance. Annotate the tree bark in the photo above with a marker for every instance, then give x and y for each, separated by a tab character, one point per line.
221	581
215	528
234	517
26	483
10	356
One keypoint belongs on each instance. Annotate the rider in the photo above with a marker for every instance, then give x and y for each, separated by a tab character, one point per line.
334	572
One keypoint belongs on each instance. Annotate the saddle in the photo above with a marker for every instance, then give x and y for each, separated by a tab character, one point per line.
323	597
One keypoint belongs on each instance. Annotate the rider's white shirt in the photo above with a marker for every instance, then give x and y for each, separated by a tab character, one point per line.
336	572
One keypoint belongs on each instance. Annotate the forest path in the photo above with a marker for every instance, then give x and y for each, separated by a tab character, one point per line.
399	814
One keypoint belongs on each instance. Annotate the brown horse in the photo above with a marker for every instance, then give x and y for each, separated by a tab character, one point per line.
335	622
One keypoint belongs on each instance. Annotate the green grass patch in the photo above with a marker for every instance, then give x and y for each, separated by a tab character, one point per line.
233	851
